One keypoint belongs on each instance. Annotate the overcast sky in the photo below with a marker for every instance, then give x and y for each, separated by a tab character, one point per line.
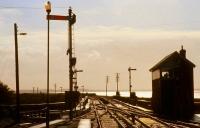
109	36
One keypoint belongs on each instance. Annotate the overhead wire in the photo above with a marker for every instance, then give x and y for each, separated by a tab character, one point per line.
23	7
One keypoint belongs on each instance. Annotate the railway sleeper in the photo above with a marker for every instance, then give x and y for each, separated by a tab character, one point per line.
120	121
127	120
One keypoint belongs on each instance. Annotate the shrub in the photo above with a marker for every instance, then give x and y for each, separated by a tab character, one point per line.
6	94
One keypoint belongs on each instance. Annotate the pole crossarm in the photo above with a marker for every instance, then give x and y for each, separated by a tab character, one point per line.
129	69
77	70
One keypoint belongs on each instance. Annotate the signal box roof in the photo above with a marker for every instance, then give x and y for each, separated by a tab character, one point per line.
171	61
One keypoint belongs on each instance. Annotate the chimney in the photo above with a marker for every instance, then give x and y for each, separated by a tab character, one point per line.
182	52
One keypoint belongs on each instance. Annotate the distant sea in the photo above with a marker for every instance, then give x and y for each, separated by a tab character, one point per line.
145	94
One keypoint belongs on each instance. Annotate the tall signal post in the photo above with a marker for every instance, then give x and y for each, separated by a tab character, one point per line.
70	51
130	69
72	60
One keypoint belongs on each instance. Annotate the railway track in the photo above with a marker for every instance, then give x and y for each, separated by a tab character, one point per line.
170	123
116	114
111	113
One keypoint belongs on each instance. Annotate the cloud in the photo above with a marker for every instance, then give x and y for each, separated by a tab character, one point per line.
154	14
112	49
102	34
94	55
118	48
109	36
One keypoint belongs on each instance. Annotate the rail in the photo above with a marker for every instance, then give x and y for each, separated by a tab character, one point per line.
128	111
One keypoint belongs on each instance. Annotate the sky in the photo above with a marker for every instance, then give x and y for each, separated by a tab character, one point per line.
109	36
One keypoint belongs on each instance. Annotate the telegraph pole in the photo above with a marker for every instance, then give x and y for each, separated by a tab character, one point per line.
37	90
117	79
55	87
17	73
107	79
82	88
33	90
17	76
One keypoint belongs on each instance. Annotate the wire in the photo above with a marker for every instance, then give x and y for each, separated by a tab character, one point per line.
15	7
